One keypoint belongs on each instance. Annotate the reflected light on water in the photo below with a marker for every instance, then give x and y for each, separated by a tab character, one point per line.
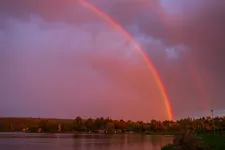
27	141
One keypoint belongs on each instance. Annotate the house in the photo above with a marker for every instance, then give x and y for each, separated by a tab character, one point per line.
40	130
100	131
117	131
25	129
59	128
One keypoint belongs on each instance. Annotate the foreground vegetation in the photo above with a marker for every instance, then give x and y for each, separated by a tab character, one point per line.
215	142
199	142
201	125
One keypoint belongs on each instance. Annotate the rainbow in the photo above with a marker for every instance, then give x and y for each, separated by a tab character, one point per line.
138	47
192	66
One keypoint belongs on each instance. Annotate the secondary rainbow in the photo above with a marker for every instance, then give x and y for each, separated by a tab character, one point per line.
192	66
129	37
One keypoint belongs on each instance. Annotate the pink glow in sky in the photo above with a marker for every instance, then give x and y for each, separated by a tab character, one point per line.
59	59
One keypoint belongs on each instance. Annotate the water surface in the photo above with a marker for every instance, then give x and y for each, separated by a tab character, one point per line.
42	141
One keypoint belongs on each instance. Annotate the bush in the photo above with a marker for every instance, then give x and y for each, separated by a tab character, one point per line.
186	143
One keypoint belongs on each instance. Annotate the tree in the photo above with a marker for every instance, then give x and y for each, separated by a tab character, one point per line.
47	125
120	125
154	125
147	126
166	124
110	127
137	126
43	125
99	123
89	124
130	125
78	124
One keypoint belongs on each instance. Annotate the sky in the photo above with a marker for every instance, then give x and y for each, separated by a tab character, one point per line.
58	58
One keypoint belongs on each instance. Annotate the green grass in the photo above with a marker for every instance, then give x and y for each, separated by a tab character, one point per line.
216	142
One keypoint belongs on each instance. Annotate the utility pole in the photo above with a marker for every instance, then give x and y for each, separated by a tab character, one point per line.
213	123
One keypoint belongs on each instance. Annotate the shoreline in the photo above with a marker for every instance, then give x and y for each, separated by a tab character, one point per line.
85	133
198	142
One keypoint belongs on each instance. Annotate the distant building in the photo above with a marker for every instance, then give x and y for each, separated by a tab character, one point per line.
40	130
59	128
117	131
25	129
100	131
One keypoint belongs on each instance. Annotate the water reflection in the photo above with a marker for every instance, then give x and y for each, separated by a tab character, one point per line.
123	142
21	141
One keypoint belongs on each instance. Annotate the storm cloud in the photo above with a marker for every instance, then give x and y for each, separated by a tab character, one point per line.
60	59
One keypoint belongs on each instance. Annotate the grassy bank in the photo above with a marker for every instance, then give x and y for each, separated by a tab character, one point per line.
197	142
215	142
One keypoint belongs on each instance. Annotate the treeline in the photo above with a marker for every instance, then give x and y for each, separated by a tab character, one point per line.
204	124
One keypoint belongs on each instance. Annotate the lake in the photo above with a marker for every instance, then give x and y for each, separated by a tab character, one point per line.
45	141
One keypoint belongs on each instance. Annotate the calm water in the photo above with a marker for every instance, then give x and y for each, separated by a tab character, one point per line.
27	141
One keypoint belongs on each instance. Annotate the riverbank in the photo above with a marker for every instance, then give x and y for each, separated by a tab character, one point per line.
215	142
75	132
198	142
169	133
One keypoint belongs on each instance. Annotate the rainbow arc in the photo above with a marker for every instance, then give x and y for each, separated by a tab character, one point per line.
138	47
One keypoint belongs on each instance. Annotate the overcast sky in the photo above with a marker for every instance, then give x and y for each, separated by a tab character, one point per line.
58	58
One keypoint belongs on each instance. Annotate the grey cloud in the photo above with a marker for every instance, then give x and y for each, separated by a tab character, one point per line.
64	67
191	29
